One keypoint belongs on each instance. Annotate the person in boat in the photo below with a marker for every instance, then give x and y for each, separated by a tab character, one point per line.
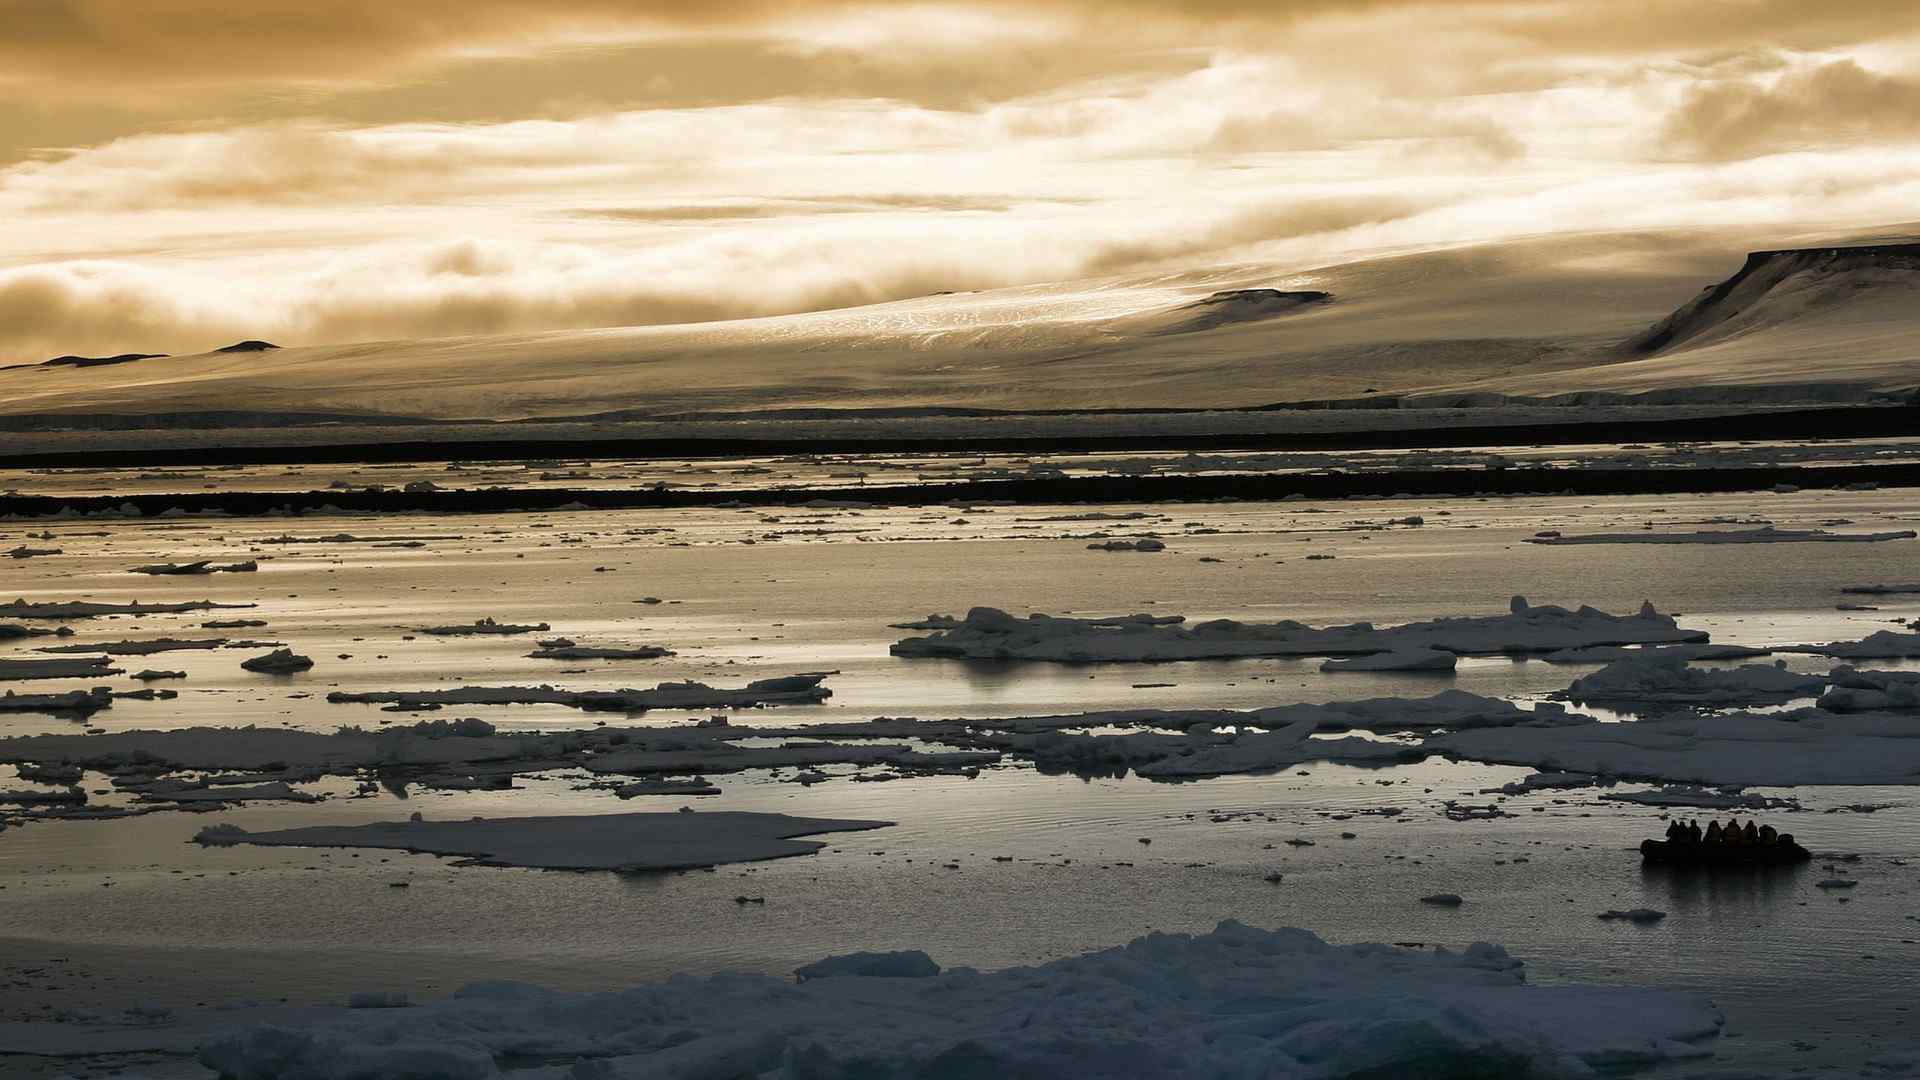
1769	835
1713	832
1731	834
1752	833
1676	832
1693	830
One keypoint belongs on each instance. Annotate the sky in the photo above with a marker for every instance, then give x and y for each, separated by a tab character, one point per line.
180	174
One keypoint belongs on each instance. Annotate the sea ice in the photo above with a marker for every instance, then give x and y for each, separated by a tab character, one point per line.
89	668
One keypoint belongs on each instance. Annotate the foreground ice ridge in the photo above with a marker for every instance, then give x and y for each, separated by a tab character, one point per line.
991	634
1235	1003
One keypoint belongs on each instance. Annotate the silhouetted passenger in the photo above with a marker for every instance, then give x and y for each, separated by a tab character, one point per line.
1752	834
1713	832
1693	831
1676	831
1769	835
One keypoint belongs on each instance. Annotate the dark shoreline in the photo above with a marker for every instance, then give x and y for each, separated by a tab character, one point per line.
1263	487
1840	422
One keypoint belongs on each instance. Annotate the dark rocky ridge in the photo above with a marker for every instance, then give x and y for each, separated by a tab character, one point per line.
1825	275
1242	305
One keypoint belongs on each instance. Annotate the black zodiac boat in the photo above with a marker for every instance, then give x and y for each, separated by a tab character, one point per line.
1781	852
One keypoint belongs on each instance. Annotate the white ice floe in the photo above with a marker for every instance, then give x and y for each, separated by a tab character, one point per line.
138	648
1397	660
202	566
1868	691
1668	680
484	626
1143	544
273	791
86	609
1234	1004
278	662
662	786
1607	654
1785	749
992	634
1765	535
88	668
589	652
783	690
640	841
1879	645
1695	796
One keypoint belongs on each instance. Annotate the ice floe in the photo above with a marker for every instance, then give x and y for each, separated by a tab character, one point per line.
202	566
1668	680
1783	749
638	841
1879	645
87	609
1765	535
589	652
1854	690
1238	1002
1397	660
783	690
484	626
992	634
278	662
88	668
138	648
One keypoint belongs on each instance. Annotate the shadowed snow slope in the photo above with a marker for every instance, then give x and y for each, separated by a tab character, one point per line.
1536	316
1236	1003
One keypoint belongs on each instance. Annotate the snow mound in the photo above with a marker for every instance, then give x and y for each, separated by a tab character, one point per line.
991	634
1234	1004
625	842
